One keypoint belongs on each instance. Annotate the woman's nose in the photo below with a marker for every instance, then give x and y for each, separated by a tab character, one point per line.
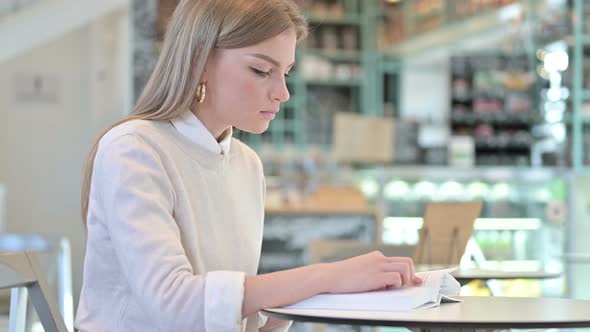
281	92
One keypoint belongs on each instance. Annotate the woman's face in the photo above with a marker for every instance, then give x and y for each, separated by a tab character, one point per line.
245	86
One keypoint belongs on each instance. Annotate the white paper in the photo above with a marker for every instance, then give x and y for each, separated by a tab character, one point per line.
417	297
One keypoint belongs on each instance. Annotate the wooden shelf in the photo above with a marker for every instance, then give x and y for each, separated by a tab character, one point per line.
343	20
514	119
337	54
325	201
333	82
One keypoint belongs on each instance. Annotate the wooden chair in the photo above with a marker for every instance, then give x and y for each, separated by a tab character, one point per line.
22	273
447	228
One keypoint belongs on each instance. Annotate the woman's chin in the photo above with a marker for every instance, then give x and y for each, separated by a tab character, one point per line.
255	129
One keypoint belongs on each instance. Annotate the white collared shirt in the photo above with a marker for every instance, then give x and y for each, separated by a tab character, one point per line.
190	126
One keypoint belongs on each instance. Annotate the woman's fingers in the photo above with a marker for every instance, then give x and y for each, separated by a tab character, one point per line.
373	271
416	281
404	265
391	280
403	270
406	260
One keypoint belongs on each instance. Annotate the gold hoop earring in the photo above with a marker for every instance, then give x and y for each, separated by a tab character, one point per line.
201	92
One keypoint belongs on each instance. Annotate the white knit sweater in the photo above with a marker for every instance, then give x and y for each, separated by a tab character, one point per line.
173	228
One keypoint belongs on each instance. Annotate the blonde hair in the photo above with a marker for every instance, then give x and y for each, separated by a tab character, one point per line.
195	29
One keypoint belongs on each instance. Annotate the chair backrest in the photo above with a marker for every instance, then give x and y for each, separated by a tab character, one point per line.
54	255
447	228
21	270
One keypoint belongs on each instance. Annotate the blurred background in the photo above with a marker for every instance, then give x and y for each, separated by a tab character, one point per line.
394	104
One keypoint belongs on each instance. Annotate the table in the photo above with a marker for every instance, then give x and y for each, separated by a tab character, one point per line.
465	276
487	276
474	313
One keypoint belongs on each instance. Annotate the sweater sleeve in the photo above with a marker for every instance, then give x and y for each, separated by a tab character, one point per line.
137	200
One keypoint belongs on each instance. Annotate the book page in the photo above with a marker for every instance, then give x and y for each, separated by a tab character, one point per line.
426	295
443	281
401	299
433	279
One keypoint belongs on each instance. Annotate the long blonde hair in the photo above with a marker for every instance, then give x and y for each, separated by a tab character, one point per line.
195	29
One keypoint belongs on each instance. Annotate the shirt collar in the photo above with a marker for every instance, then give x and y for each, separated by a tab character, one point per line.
190	126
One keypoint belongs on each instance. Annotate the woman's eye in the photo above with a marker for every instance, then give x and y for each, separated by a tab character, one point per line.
260	72
288	73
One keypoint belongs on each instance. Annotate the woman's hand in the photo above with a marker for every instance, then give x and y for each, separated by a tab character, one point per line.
359	274
369	272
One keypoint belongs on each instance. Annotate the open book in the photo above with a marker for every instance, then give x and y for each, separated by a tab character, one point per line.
437	286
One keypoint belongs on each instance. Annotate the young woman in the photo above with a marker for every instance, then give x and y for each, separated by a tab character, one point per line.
174	206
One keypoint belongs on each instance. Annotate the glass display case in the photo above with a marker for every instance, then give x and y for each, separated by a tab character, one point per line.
522	225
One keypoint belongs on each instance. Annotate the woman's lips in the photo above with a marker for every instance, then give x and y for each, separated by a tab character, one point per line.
269	115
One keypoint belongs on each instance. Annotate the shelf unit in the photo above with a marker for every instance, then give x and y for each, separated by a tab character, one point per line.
418	25
493	101
577	245
359	33
580	123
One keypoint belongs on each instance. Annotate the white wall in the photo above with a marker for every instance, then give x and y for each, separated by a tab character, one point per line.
2	207
43	144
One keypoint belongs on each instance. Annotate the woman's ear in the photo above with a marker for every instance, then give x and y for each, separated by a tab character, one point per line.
208	65
196	56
